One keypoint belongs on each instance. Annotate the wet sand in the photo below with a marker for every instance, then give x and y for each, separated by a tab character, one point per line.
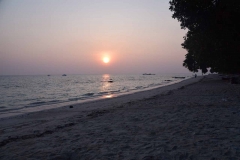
195	119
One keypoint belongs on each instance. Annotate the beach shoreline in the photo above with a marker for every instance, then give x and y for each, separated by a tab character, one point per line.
21	111
195	119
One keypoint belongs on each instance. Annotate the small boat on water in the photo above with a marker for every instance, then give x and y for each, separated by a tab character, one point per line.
148	74
179	77
64	75
110	80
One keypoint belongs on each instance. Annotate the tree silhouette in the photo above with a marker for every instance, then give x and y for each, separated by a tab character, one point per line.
213	37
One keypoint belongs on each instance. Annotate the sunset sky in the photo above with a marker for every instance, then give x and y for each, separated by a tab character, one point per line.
73	37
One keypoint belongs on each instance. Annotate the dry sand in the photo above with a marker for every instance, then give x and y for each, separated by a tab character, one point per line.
195	119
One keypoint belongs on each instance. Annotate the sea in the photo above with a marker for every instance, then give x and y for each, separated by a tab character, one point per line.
21	94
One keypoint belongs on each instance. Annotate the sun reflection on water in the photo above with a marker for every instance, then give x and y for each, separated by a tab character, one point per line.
106	85
108	96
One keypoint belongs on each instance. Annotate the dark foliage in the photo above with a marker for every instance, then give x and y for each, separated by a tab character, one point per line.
213	37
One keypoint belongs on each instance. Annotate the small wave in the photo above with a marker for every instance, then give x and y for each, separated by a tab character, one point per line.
151	85
88	94
41	102
115	91
124	88
10	109
82	98
54	101
74	99
34	104
5	86
139	87
101	93
90	81
30	99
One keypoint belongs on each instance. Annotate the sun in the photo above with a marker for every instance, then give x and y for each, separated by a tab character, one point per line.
106	60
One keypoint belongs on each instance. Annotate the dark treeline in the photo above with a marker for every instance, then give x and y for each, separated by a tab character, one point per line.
213	37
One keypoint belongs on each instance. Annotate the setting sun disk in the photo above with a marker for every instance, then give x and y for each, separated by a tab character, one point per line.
106	59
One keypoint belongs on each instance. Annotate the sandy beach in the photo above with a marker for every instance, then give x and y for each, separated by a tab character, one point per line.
198	118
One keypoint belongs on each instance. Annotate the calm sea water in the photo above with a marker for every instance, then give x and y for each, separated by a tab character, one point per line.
18	92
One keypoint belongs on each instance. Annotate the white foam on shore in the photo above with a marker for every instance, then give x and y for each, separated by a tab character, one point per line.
125	97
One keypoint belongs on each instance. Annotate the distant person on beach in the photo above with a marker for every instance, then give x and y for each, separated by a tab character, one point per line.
195	75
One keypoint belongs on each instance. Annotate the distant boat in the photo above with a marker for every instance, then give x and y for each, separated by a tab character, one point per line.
48	75
148	74
64	75
179	77
110	80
